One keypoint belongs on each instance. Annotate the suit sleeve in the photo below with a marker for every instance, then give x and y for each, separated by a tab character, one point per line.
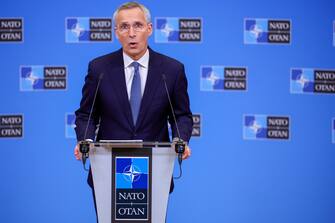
86	103
181	105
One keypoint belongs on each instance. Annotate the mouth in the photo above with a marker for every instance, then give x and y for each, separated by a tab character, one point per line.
132	44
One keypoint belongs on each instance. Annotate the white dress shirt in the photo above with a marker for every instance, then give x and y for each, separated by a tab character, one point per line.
129	70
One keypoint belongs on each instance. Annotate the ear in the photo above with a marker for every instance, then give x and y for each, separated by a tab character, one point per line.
149	29
116	33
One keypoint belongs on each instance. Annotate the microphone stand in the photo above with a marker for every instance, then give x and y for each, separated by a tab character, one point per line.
84	146
179	143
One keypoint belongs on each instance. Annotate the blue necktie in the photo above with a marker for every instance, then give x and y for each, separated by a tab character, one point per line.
135	93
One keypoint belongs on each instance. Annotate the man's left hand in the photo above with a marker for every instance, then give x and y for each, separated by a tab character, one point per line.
187	152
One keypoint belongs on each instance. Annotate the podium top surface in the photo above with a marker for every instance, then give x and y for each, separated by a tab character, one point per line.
128	143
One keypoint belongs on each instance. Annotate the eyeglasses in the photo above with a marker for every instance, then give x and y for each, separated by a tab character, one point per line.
125	27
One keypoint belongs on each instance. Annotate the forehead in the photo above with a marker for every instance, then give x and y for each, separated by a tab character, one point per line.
130	15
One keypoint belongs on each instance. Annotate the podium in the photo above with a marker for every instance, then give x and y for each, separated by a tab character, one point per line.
131	180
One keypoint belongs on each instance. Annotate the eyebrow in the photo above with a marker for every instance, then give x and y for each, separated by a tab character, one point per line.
132	23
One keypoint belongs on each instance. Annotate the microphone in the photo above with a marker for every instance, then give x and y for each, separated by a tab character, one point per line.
84	146
179	144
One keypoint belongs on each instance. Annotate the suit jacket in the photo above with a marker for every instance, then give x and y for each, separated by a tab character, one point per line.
111	117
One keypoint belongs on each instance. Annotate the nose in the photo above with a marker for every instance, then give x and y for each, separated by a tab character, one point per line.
131	32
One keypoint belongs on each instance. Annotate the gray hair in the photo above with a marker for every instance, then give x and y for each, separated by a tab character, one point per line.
131	5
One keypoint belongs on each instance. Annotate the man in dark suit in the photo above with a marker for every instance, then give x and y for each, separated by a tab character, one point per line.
132	102
113	109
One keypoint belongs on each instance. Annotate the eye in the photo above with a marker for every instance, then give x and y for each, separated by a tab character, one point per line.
124	26
138	25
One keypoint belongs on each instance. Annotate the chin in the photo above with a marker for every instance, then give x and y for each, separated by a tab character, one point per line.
134	53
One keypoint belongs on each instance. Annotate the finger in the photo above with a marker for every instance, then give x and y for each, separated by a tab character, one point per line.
187	153
77	153
78	157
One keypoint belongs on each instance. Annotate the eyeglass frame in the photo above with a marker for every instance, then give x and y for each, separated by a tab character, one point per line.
127	29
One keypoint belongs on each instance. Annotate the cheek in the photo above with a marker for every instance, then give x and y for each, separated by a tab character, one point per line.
122	40
116	35
144	37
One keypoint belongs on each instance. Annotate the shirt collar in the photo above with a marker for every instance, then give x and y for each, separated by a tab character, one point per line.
143	61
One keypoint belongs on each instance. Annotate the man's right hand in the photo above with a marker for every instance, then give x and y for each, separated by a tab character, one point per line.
77	153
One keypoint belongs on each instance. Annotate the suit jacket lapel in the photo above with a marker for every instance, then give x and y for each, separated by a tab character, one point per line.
153	78
119	84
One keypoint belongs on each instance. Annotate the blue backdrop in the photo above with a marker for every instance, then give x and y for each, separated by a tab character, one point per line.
234	174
